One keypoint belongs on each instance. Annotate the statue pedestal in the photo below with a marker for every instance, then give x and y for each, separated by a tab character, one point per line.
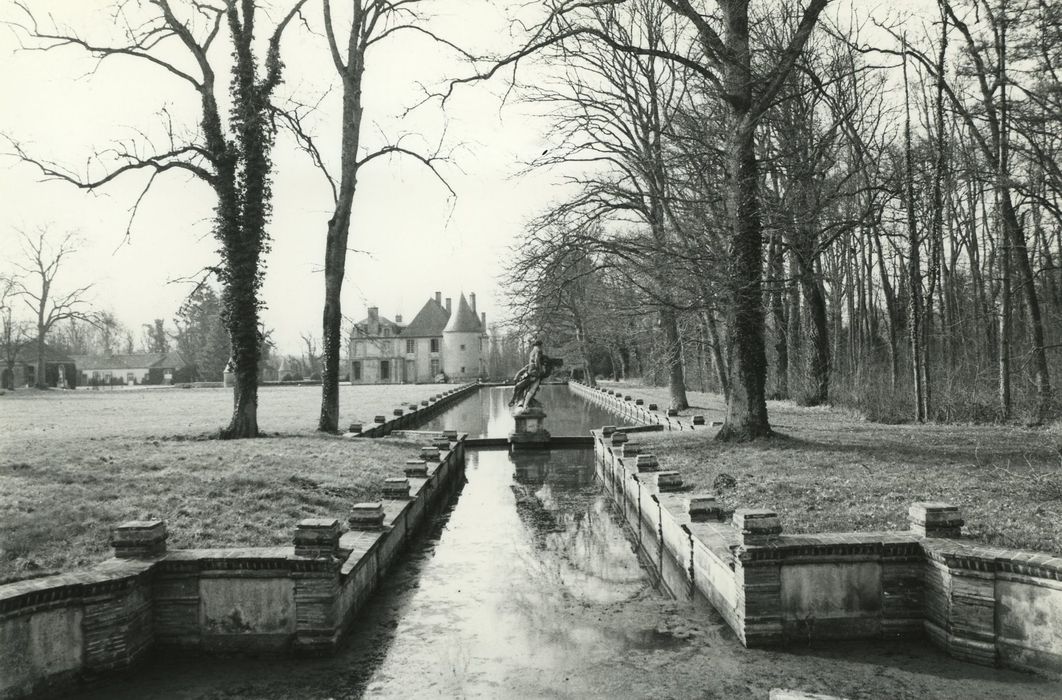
529	432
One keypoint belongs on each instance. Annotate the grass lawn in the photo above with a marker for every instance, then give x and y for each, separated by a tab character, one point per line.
74	464
833	472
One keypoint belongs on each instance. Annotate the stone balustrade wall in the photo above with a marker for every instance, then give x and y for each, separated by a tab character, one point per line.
58	630
978	603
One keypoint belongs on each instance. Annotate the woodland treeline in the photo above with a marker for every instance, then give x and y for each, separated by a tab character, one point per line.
904	180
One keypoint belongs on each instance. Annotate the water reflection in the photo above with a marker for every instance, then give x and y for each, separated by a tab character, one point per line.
486	413
522	582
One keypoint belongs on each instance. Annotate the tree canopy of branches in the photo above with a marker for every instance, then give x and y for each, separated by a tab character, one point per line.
229	153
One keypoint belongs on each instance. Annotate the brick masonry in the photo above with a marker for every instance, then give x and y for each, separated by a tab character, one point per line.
978	603
300	599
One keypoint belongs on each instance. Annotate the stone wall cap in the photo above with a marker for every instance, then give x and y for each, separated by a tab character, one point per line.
142	525
318	524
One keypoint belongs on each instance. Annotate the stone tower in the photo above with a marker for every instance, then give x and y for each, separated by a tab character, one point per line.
462	343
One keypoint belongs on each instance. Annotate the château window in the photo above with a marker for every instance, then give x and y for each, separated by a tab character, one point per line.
435	345
409	345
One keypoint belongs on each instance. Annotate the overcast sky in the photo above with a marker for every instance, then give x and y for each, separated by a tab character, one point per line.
416	238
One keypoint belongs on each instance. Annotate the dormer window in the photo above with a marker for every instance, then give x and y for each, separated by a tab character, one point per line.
386	331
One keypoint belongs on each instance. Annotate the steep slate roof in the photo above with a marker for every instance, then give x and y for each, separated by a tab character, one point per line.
464	319
363	324
429	321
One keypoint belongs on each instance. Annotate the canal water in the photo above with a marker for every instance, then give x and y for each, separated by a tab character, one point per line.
487	413
528	587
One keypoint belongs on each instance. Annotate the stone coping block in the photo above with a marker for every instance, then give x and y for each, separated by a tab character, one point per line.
618	438
316	537
698	420
653	407
931	519
379	419
668	480
647	463
628	397
398	412
442	444
412	407
396	487
355	427
788	694
450	435
367	516
139	539
639	402
630	449
704	507
672	412
982	557
416	467
757	524
607	430
430	452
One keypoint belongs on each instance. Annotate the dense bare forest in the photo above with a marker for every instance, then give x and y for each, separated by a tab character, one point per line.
864	212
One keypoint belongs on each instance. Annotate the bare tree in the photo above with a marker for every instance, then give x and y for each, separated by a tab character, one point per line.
231	156
38	290
14	333
372	22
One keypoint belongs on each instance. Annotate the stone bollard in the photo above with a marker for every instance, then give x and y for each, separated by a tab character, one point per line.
139	539
430	453
412	407
639	402
935	520
424	402
672	412
396	488
397	412
367	516
442	444
379	419
703	508
756	525
653	407
417	468
355	427
618	438
668	480
607	430
450	435
647	463
316	537
630	449
698	420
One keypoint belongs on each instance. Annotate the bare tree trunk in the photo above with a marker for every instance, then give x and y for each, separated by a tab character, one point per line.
914	270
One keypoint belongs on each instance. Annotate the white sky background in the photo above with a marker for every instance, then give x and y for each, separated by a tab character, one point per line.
417	240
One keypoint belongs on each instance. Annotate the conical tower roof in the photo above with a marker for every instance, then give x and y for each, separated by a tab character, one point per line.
463	319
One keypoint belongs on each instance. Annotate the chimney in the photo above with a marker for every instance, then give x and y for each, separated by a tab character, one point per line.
398	318
472	301
374	313
483	319
438	297
447	304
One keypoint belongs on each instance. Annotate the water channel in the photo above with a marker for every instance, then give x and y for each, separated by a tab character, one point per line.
527	586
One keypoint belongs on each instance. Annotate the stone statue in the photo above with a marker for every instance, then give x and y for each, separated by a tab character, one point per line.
529	378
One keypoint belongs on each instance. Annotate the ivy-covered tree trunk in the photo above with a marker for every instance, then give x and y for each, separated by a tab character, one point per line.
746	409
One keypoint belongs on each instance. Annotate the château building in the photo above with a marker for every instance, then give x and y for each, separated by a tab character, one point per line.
440	343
